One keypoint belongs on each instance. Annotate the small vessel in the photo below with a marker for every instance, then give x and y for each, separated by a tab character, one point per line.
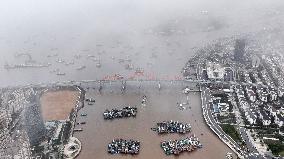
52	55
187	90
121	60
59	60
91	56
128	59
144	100
81	123
77	56
81	68
69	63
54	71
60	74
90	103
80	129
229	155
83	114
90	100
98	65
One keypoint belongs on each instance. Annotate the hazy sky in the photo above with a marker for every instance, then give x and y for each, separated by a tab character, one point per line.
165	27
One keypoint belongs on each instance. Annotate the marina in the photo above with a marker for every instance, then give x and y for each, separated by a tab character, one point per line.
125	112
178	146
172	127
124	146
160	106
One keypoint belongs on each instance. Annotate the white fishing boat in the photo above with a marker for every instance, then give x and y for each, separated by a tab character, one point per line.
98	65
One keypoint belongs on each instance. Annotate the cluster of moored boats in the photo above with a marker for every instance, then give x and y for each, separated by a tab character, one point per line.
172	127
171	147
120	113
124	146
176	147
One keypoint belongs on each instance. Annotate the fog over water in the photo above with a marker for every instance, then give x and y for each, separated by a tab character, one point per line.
157	35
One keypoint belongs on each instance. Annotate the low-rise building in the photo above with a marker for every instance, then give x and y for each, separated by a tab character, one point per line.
251	116
228	74
281	91
265	117
279	120
250	93
272	94
273	112
262	94
224	108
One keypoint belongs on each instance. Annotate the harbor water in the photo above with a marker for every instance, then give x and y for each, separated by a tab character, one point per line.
161	105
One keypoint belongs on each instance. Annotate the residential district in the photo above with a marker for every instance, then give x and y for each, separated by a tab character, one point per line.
242	95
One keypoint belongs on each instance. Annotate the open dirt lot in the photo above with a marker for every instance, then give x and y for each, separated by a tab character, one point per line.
56	105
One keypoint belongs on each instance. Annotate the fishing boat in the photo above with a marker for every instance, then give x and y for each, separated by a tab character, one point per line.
81	68
80	129
81	123
83	114
60	74
98	65
90	100
59	60
69	63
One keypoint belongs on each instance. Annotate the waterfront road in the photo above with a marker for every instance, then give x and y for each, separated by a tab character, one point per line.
211	122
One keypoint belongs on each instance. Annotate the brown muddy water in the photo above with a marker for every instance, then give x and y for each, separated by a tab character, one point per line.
161	105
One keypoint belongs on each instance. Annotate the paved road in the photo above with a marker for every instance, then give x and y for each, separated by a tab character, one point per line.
206	97
207	112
